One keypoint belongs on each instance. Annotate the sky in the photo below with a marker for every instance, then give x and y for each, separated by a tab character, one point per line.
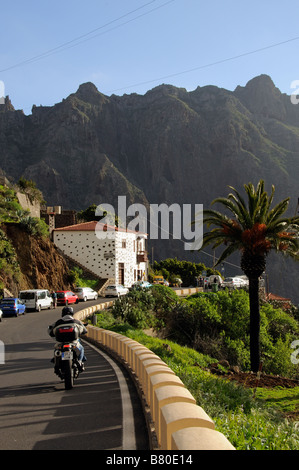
48	48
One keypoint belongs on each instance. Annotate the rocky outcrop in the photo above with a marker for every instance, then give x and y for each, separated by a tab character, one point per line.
41	265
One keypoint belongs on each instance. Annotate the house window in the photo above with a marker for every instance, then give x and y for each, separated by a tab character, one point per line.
124	244
121	273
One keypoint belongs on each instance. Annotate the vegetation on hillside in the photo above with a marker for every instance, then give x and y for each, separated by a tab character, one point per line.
29	188
12	212
203	329
214	324
187	271
254	228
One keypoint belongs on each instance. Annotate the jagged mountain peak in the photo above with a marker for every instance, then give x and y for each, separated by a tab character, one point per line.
261	81
87	87
89	93
261	97
7	105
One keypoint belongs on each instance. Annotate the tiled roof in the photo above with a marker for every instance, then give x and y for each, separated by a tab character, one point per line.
92	226
277	297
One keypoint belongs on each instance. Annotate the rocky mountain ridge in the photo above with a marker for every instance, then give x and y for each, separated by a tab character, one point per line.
167	146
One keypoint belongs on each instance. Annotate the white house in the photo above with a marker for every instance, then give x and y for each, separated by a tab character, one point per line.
107	251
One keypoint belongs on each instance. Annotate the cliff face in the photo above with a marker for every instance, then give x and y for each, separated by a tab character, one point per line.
40	263
169	146
91	148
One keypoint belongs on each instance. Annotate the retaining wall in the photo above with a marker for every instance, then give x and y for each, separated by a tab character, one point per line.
174	419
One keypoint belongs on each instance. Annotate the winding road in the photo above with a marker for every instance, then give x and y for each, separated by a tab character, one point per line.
102	411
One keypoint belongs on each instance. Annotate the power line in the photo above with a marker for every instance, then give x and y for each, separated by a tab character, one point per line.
84	37
200	67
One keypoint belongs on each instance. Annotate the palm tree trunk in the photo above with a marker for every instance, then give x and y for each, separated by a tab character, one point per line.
254	323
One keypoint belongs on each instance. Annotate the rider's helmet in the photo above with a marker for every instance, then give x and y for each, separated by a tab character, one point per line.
67	311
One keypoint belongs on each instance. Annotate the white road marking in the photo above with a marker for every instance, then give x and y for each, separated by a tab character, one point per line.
128	438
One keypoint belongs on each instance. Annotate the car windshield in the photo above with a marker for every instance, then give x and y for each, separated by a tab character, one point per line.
27	295
60	295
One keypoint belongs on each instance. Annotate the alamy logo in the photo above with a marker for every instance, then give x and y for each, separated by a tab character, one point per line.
2	92
2	352
294	95
294	359
163	222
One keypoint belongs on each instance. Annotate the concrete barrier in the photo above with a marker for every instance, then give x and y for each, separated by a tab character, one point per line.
179	423
199	438
157	381
179	415
188	291
169	394
148	361
153	370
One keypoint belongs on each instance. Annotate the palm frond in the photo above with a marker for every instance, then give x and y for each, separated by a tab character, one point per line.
226	253
277	211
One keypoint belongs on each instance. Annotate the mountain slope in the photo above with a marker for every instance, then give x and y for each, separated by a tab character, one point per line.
168	145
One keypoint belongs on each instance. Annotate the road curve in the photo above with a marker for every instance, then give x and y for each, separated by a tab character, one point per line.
102	411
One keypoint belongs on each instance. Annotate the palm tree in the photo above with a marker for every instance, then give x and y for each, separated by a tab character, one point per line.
254	230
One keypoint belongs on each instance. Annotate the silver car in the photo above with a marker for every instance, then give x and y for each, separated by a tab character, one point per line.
115	290
233	282
86	293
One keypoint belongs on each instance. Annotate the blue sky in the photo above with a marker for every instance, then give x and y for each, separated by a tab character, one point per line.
138	44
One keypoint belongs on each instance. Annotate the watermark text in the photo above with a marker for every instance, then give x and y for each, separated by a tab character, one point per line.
294	358
2	353
160	221
2	92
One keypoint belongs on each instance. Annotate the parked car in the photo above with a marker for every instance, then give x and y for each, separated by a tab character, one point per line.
65	297
1	313
115	290
219	280
12	306
233	282
86	293
141	285
36	299
245	280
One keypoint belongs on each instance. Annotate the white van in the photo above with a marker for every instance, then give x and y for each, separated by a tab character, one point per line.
36	299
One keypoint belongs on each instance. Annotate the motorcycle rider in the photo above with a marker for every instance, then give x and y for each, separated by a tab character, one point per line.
67	319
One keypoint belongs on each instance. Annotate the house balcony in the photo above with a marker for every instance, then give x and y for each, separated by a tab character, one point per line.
142	257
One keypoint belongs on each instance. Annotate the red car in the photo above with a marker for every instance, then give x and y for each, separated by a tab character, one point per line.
66	297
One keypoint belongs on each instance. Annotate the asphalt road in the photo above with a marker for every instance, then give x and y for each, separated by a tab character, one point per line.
101	412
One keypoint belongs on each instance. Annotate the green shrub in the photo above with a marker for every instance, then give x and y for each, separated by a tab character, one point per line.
218	324
35	226
214	324
135	309
105	319
248	423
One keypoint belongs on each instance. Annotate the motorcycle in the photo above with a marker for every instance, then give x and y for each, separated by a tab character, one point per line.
66	363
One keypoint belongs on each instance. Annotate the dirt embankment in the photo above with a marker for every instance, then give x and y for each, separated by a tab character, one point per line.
40	263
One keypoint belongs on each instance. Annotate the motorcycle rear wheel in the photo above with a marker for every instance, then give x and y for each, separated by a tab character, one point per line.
68	375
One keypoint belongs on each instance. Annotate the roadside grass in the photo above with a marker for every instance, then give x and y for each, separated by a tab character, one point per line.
249	423
285	400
